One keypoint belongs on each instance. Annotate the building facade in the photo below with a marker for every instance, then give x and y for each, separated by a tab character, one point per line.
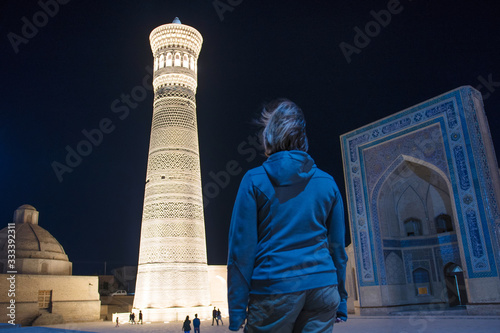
172	275
423	194
37	282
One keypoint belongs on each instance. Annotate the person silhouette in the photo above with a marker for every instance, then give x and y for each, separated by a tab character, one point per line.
287	236
186	326
196	323
219	317
214	316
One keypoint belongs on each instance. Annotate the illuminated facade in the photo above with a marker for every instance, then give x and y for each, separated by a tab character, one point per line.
172	275
45	290
423	191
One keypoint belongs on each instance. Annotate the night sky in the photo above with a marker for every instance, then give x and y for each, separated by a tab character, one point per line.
345	63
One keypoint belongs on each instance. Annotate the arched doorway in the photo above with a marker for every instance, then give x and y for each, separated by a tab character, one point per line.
413	198
455	284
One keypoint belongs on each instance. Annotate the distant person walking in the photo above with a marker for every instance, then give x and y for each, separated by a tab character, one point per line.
140	318
117	320
196	323
214	317
187	325
287	260
219	316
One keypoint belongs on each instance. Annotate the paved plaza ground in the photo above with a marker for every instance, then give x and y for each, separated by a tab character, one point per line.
356	324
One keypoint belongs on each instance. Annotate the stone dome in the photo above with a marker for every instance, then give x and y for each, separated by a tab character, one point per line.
36	250
30	207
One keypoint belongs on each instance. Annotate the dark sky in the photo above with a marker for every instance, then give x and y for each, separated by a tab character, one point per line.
60	79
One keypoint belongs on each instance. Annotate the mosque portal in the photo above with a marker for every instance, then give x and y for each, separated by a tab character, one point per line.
423	192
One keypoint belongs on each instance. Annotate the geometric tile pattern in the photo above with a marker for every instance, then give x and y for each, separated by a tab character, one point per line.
395	268
445	254
432	256
448	134
419	258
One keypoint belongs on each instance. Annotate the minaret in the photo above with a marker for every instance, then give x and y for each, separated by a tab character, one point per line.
172	275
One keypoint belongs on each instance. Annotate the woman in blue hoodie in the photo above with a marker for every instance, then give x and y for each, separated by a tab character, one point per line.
286	261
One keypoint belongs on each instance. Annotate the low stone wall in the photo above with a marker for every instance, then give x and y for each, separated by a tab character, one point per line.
75	298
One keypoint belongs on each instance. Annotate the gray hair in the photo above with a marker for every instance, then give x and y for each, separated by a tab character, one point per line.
284	127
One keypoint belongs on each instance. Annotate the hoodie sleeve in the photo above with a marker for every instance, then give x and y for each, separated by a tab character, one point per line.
336	230
241	254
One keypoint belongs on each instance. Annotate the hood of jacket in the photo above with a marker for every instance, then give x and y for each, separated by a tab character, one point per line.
289	167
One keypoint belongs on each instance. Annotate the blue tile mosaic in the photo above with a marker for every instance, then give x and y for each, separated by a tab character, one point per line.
463	173
430	241
443	133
